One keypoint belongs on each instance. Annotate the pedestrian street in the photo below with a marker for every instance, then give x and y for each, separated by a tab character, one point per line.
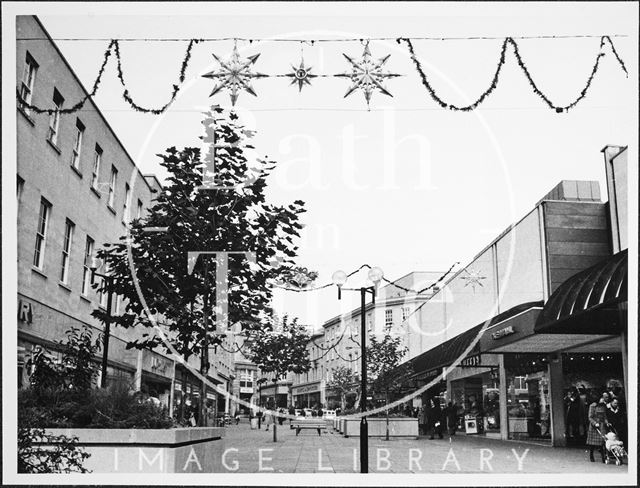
244	450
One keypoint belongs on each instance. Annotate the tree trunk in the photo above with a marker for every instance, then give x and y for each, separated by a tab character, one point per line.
275	408
204	354
387	401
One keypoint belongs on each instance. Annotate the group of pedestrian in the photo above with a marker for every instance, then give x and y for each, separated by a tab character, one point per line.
433	420
605	415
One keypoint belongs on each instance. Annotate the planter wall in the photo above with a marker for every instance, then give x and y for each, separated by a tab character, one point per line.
398	427
182	450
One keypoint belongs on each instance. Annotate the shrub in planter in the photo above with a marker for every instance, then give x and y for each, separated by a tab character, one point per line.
60	396
62	457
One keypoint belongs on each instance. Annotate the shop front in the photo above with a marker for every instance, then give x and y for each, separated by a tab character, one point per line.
274	396
474	393
308	395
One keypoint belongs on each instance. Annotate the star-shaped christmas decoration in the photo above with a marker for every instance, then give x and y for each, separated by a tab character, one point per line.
301	75
235	74
367	74
473	278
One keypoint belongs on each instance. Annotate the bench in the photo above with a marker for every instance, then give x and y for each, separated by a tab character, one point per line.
309	425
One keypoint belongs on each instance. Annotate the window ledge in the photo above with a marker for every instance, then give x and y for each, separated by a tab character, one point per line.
39	271
85	298
65	286
113	210
95	192
26	116
76	171
53	145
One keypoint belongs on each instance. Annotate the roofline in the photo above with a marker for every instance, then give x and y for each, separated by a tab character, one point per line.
622	148
513	226
90	99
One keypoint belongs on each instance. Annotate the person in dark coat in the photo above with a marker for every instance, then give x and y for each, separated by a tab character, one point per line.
616	419
434	419
572	420
597	420
451	414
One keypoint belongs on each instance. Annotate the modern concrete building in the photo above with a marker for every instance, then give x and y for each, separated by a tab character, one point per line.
535	316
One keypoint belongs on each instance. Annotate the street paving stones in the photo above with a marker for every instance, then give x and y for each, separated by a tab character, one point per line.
252	451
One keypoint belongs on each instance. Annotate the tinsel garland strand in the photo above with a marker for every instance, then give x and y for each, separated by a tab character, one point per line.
114	46
22	103
176	87
523	67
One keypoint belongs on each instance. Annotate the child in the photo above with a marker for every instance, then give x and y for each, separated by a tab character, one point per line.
614	445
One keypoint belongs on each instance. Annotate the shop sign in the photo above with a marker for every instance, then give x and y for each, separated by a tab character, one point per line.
159	365
499	334
306	389
246	389
471	361
25	311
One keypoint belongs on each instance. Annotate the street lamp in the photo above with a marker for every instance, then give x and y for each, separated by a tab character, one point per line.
94	265
339	278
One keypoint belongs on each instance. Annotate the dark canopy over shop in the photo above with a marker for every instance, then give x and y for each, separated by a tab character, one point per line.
432	361
590	302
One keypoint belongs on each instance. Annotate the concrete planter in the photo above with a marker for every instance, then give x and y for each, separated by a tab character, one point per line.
181	450
406	427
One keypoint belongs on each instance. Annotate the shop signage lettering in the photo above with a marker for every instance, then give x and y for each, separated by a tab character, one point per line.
307	389
499	334
158	365
470	361
25	312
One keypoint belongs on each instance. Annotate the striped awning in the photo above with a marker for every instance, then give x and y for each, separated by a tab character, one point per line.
590	302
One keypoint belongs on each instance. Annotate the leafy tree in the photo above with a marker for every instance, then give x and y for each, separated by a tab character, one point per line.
78	358
384	370
200	220
342	382
281	350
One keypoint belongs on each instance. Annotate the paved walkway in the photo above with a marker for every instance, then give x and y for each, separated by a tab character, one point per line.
251	451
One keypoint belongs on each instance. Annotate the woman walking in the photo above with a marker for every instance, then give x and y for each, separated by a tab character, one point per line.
268	419
434	419
422	420
597	420
616	418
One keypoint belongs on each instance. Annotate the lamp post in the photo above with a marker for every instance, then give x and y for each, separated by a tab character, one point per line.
260	382
94	266
339	278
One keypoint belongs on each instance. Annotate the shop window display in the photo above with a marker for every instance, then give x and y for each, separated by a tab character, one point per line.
528	397
477	399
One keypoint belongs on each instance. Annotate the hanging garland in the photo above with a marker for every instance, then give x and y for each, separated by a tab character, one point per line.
303	76
114	46
80	104
501	62
176	87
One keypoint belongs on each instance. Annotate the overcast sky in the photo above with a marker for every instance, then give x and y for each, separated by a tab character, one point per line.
408	185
